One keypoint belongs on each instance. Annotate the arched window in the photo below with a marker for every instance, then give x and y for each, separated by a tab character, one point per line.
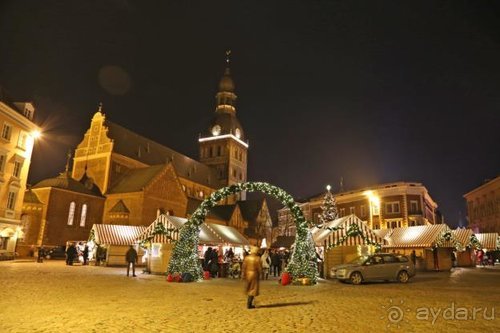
71	214
83	217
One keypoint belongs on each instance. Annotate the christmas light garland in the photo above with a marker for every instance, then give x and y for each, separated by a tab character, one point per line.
354	231
160	229
185	253
475	243
448	236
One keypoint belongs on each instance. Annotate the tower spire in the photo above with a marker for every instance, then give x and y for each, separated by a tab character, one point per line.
228	57
68	158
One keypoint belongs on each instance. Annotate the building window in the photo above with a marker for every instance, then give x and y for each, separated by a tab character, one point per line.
11	200
17	169
342	212
413	206
375	209
376	226
3	158
71	214
392	207
83	216
23	138
363	211
241	155
351	210
6	131
234	173
395	224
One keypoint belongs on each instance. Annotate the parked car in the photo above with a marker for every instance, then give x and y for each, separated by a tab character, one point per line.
58	252
380	266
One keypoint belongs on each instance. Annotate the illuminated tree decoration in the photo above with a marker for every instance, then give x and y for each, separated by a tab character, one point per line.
185	254
328	209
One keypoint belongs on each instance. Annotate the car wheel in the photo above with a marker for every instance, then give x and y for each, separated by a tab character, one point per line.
403	277
356	278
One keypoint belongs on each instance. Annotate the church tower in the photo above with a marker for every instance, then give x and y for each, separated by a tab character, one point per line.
223	146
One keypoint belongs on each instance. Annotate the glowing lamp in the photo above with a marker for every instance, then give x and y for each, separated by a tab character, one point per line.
36	134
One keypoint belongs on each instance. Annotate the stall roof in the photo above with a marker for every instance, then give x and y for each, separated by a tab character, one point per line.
488	241
111	234
210	233
463	235
421	236
332	237
229	234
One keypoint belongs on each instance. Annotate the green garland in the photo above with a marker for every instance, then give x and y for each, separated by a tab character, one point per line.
475	243
353	231
448	236
160	229
185	254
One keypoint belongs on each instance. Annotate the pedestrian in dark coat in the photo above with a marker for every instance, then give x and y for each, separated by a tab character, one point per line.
86	255
71	254
41	254
276	263
131	257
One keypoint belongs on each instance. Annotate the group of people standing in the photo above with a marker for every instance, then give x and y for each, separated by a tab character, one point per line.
73	254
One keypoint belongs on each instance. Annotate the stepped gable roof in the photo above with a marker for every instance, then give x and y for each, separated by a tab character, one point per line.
250	209
31	197
222	212
64	181
135	180
149	152
120	207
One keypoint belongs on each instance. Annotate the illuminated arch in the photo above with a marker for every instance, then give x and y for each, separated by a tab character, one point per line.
185	254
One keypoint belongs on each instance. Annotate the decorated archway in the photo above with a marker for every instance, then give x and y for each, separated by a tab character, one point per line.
185	254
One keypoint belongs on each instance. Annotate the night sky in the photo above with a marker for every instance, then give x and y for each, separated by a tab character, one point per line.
371	91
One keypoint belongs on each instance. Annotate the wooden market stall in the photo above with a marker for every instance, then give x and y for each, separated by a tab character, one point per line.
489	241
433	245
114	241
465	255
159	237
344	239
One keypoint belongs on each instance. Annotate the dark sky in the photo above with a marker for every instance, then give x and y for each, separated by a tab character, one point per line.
373	91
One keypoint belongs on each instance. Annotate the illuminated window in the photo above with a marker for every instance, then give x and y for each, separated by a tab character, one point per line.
23	138
6	131
83	217
375	209
11	200
392	207
71	214
413	206
3	158
201	194
155	250
17	169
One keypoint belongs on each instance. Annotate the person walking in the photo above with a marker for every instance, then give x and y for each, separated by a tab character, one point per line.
131	257
86	255
71	254
251	271
276	263
265	262
41	254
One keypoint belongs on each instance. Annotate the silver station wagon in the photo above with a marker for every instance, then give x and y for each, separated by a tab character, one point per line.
380	266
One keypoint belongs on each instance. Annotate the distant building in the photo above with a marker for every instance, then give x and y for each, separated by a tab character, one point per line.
483	207
392	205
18	133
141	179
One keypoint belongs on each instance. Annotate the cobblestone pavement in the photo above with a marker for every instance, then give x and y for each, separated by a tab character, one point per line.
53	297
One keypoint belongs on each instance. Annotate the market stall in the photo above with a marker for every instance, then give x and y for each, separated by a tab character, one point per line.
465	255
159	237
433	245
112	242
344	239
